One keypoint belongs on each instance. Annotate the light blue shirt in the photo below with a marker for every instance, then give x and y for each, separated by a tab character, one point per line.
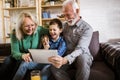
78	38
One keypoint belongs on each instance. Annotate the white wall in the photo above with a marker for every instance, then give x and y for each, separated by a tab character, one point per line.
102	15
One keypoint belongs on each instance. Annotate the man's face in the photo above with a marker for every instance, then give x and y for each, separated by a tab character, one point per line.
70	16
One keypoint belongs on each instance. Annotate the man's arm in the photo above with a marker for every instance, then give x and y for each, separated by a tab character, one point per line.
82	46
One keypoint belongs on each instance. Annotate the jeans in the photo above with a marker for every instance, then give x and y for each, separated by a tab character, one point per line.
81	65
24	66
45	73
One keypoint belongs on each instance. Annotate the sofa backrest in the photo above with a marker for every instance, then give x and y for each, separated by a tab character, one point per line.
95	45
5	48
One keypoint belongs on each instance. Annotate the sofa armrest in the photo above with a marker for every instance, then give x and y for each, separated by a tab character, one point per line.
110	52
5	50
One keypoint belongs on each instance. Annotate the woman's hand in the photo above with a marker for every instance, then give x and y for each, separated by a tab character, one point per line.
26	57
57	61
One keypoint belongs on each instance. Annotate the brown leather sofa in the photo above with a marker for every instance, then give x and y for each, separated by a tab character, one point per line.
100	70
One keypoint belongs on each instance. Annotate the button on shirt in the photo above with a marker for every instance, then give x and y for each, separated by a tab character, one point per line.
78	38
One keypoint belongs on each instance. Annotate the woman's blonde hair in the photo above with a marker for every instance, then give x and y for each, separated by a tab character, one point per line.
18	29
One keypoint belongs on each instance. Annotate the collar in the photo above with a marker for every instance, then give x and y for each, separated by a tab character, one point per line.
56	40
79	22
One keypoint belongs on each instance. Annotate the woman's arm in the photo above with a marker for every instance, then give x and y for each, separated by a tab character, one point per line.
15	50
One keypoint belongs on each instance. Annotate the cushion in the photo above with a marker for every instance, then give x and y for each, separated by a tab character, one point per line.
111	52
100	71
94	45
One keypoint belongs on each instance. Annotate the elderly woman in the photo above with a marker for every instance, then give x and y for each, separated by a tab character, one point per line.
27	35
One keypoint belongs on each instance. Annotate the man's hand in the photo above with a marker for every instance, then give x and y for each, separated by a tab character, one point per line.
57	61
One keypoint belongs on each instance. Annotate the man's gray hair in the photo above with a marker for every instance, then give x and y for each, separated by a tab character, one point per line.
73	2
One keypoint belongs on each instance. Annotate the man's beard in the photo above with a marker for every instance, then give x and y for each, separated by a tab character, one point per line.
73	21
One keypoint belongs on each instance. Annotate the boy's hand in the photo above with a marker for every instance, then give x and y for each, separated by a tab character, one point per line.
45	42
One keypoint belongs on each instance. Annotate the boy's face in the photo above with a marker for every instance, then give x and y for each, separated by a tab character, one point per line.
54	31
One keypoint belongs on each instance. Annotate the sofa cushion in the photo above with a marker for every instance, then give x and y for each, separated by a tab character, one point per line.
94	45
111	52
100	71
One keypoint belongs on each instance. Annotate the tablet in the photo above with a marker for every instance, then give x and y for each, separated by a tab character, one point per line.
41	55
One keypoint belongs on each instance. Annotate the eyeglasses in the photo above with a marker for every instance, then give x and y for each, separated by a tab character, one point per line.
30	25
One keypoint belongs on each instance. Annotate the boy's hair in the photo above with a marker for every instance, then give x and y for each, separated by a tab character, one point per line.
56	21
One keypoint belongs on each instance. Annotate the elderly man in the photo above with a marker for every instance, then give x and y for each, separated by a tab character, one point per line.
77	34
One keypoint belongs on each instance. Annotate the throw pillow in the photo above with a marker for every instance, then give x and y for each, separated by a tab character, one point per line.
94	45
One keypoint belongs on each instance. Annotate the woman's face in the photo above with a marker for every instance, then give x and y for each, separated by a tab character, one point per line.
28	26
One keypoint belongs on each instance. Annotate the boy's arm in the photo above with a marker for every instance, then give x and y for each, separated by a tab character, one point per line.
45	42
62	47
